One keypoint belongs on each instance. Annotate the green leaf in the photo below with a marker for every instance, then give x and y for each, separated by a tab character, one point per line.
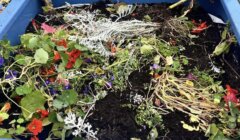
41	56
20	120
33	43
59	104
214	133
11	131
12	122
25	39
61	67
81	47
61	48
20	129
64	57
4	115
46	122
57	129
232	125
24	89
78	63
32	102
2	132
221	48
22	59
232	119
153	134
59	118
146	49
156	59
52	117
217	98
67	98
6	48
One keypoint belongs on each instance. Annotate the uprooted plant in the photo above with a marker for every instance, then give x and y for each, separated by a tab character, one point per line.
181	94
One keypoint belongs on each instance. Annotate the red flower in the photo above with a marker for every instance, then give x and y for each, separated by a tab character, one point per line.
231	95
72	56
69	65
43	113
35	127
56	56
200	27
62	42
75	53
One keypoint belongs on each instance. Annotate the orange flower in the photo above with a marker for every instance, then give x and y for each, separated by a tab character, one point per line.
48	71
35	127
56	56
231	95
6	107
200	27
72	56
43	113
62	42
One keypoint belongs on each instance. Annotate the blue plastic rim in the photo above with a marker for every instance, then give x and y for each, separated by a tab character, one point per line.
15	18
18	14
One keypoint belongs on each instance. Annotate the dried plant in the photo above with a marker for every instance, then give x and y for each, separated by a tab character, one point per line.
96	31
198	103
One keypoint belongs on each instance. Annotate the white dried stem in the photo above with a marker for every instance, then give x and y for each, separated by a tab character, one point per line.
96	31
72	122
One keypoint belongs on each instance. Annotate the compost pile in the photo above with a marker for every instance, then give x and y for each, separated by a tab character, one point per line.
120	72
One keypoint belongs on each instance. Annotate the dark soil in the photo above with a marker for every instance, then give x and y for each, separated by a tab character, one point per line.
116	122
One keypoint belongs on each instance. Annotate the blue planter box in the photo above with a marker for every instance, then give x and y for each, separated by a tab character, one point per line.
18	14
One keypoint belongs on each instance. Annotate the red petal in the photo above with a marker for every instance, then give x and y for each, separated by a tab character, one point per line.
231	95
231	90
56	56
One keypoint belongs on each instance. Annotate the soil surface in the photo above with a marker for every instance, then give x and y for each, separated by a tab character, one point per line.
116	122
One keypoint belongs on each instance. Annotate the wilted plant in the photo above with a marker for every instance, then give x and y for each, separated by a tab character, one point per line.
181	94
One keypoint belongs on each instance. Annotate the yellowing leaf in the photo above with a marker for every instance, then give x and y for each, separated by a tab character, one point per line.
99	71
183	93
189	128
193	118
189	83
146	49
156	59
195	111
169	60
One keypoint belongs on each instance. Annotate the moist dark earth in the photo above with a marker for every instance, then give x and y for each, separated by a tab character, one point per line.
116	122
